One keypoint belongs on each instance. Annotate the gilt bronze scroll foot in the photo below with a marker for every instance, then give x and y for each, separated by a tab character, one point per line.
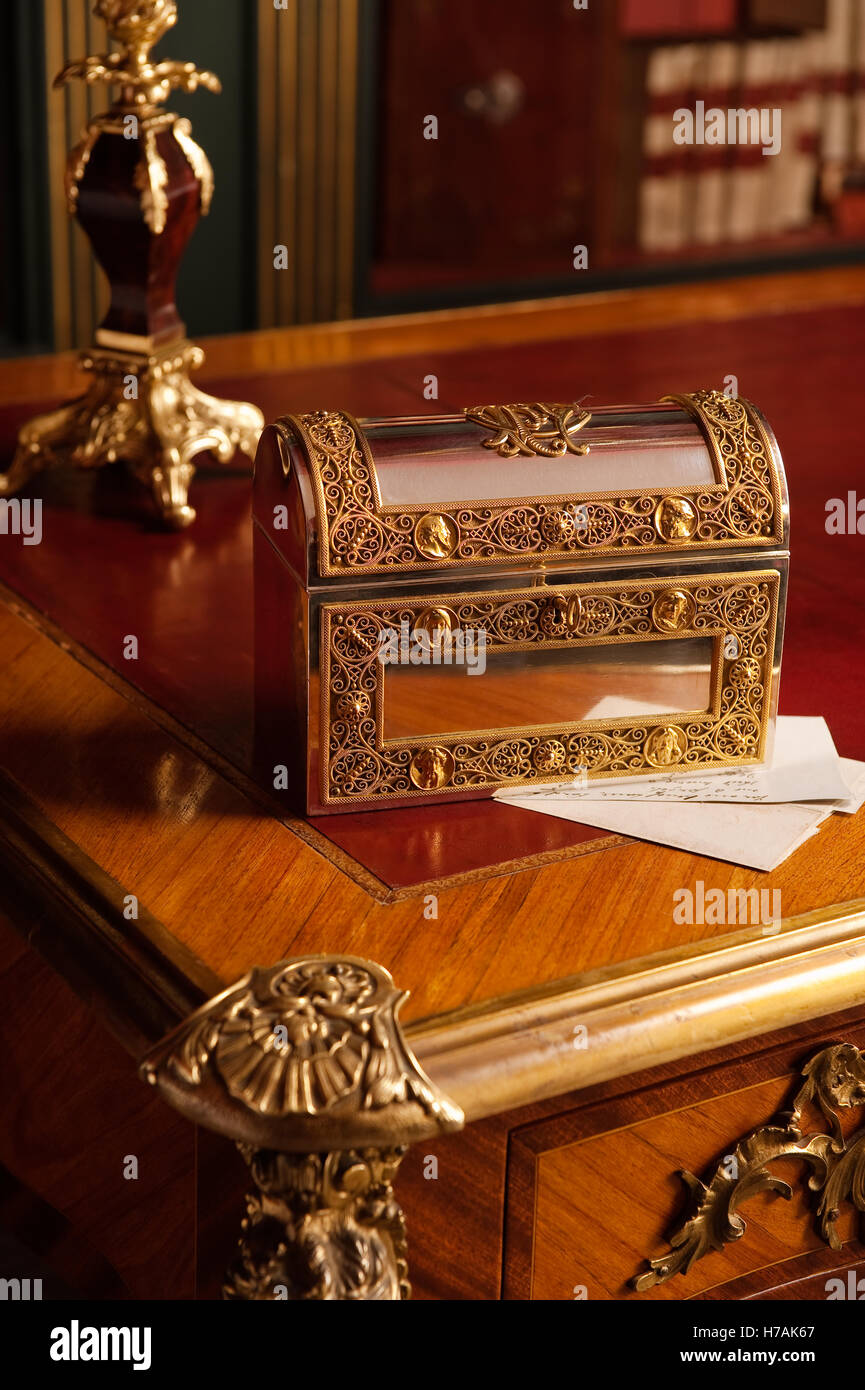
141	408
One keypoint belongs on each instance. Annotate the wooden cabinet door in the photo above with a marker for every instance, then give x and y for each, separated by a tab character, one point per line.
510	183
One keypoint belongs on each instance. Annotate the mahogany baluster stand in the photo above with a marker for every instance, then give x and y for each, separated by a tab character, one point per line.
138	184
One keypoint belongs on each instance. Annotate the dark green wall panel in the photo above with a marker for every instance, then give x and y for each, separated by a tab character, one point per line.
217	287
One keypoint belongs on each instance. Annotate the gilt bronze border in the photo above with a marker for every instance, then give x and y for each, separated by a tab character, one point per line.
358	534
357	766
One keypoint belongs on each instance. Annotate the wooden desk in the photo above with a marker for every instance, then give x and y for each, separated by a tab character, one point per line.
126	788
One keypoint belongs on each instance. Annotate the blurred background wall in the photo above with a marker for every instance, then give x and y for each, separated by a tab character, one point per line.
553	130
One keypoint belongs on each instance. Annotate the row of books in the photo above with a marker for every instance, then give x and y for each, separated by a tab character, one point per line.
698	191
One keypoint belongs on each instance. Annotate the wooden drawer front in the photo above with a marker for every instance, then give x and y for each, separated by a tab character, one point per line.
592	1195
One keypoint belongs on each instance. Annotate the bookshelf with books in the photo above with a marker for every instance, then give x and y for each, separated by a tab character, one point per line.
491	211
719	195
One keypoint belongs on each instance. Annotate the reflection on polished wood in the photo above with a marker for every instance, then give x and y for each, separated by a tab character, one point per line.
549	687
451	330
203	858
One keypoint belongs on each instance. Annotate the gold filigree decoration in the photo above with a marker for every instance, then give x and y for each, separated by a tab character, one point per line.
357	532
358	765
137	25
834	1081
197	161
531	429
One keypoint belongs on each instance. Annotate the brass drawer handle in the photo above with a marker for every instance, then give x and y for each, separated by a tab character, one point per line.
497	101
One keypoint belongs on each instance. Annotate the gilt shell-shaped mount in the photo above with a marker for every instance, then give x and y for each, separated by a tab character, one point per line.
306	1054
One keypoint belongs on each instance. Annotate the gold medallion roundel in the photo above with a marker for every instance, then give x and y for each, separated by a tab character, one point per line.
437	535
675	519
673	609
665	747
431	768
433	620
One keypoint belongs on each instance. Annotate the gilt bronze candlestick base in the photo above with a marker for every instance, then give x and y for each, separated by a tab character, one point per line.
138	183
157	431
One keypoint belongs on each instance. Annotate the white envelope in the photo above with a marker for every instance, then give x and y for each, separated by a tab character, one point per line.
756	836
